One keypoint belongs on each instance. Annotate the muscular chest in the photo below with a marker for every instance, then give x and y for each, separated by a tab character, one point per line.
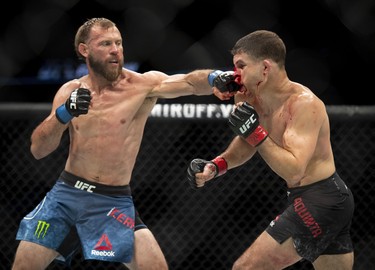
114	112
276	123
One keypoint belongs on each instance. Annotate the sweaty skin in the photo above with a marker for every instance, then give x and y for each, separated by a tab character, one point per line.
105	142
298	147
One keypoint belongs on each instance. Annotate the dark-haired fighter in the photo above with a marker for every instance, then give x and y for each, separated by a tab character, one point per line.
289	127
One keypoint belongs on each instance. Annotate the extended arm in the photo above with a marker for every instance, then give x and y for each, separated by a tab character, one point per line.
198	82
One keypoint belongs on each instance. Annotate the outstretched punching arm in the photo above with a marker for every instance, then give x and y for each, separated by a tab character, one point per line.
198	82
225	81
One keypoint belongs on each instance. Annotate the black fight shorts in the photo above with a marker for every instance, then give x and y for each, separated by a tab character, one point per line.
318	218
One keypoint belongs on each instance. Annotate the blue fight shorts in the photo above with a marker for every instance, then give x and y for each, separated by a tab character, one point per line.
318	219
101	216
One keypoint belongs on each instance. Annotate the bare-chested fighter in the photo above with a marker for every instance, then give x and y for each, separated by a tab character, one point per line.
287	124
105	111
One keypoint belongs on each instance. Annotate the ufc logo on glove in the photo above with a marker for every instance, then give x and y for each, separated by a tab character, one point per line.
73	100
247	124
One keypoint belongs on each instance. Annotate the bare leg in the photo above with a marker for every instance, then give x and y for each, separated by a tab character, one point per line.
335	262
266	254
147	253
31	256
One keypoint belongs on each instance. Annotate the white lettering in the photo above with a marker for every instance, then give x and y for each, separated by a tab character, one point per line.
103	253
211	110
156	111
78	184
252	119
245	127
73	100
165	111
201	109
84	186
226	109
191	111
176	111
90	188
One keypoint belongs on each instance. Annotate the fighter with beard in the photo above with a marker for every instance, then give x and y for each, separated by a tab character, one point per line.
90	206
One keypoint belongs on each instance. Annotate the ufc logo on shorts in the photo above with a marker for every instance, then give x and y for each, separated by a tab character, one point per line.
247	124
84	186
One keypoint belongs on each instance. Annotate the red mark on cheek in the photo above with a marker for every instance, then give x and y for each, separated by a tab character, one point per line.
237	76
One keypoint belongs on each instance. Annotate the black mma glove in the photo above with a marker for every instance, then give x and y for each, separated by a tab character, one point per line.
197	165
77	104
244	121
224	81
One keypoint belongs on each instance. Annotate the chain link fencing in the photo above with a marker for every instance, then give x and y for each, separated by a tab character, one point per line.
197	229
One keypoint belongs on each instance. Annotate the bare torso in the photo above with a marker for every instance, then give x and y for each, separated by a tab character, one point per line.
104	143
285	125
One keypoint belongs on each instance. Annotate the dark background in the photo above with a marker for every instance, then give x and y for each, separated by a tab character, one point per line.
331	49
331	44
205	229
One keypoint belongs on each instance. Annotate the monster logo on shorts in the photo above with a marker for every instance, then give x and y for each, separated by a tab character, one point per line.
41	229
